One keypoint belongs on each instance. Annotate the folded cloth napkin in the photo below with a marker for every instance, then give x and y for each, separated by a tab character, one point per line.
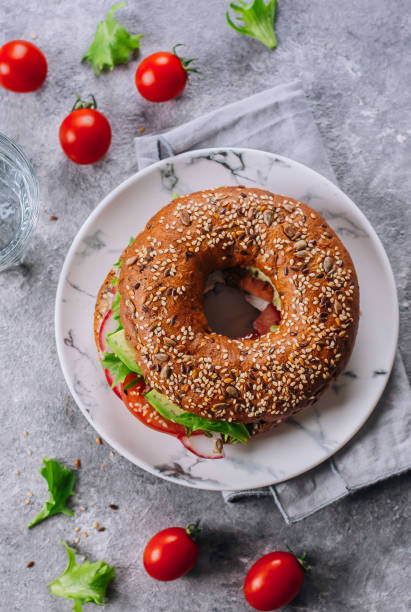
280	120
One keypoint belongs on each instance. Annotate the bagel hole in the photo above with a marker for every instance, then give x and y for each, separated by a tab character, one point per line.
239	305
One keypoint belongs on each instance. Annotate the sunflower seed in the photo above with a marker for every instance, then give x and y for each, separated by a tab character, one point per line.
328	264
268	217
130	306
290	231
233	391
161	357
301	254
251	213
221	196
131	260
300	244
289	206
221	406
165	372
218	445
185	218
169	342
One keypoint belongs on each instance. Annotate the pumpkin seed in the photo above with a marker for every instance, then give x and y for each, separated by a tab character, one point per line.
328	264
185	218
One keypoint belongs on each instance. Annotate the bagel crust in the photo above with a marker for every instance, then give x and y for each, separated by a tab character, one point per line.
261	381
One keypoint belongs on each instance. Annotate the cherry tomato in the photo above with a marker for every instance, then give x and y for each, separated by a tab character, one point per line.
85	134
162	76
23	67
171	553
273	581
140	408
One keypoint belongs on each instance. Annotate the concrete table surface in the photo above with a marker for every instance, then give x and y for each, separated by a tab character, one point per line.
355	62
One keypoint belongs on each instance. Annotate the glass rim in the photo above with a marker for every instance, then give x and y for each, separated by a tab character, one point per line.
10	254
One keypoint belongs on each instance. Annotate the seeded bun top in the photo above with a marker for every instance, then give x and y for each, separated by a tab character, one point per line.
261	381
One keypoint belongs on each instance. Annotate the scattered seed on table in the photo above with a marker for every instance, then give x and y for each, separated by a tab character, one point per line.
30	564
77	540
27	502
114	506
98	440
77	463
25	432
82	508
29	452
18	472
95	525
77	529
101	529
85	534
53	218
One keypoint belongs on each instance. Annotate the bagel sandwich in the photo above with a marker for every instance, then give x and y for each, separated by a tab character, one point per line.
158	350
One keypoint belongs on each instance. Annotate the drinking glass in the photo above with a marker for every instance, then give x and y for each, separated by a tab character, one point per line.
19	203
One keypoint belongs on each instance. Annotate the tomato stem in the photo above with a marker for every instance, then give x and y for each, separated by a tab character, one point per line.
193	529
186	62
79	103
302	560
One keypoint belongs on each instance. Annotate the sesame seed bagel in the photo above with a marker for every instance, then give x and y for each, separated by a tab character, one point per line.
264	380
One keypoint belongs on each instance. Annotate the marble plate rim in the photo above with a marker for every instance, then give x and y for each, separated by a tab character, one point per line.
106	201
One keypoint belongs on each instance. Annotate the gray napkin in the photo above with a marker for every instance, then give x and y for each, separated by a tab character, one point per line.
280	120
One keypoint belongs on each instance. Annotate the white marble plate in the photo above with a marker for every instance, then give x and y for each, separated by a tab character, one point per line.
295	446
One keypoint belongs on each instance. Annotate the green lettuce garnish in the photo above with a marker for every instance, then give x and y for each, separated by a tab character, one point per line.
82	582
118	370
256	20
236	432
60	481
112	43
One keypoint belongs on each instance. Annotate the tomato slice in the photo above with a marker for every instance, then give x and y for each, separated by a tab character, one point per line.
257	287
144	412
269	316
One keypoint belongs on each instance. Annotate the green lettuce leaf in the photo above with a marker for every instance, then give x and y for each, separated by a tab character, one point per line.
115	307
116	367
112	43
256	20
236	432
82	582
60	481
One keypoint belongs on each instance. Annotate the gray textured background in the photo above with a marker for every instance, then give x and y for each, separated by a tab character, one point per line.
355	62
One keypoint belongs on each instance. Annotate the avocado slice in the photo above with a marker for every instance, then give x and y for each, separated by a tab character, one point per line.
192	422
120	346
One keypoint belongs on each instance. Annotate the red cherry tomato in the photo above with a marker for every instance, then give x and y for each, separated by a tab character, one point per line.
171	553
23	67
85	134
273	581
143	411
162	76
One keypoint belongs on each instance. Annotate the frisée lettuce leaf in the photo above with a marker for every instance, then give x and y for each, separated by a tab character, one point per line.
112	43
60	481
82	582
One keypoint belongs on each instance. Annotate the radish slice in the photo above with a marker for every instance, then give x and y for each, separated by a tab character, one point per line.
269	316
201	446
117	387
108	325
256	301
